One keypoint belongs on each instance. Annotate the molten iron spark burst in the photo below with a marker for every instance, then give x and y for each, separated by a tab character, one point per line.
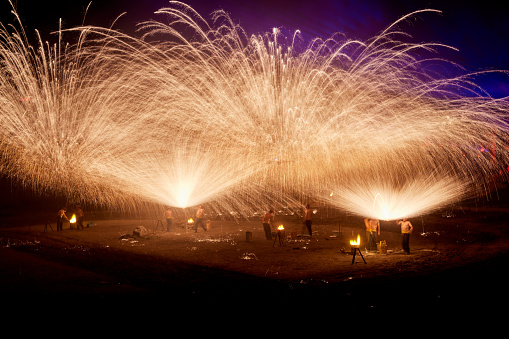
119	120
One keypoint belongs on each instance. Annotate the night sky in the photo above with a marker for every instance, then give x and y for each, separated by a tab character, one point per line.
480	29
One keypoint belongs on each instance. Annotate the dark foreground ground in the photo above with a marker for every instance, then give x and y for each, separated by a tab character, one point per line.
457	267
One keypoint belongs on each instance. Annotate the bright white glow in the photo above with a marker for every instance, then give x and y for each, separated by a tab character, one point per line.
389	202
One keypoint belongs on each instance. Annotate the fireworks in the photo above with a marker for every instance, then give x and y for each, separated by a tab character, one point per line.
211	115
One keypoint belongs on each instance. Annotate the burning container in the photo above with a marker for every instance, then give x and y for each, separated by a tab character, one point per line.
382	247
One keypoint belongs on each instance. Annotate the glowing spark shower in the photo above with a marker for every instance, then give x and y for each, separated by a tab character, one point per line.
210	115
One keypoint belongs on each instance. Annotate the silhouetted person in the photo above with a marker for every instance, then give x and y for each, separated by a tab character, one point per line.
406	230
79	218
267	220
374	232
60	218
169	218
307	219
199	219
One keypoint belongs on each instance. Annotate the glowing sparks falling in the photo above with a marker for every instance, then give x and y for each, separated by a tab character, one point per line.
385	201
242	122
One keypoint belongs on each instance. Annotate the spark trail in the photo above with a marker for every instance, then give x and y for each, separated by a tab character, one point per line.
208	114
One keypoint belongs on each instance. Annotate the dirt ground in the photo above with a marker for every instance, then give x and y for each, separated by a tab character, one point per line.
457	264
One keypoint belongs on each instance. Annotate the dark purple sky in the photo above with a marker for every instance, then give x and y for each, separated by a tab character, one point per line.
480	29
